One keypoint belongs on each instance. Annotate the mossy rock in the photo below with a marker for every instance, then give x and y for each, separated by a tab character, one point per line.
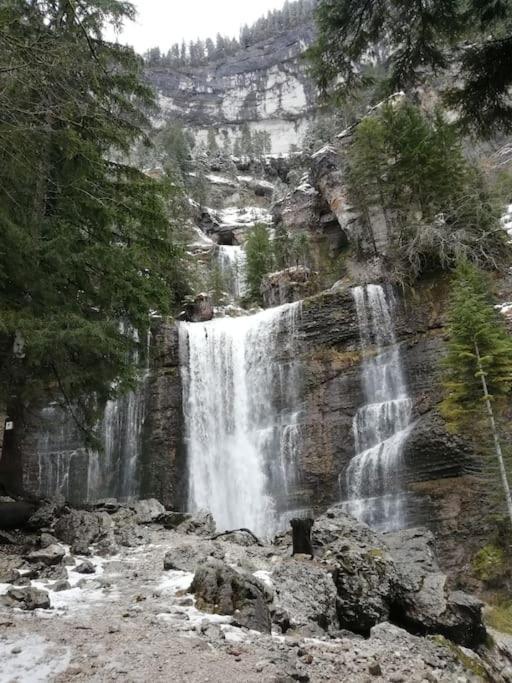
489	564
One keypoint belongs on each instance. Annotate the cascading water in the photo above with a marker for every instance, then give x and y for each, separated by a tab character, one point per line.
68	468
232	262
241	388
382	425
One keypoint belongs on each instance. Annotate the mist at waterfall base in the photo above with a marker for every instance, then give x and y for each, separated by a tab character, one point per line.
241	388
382	425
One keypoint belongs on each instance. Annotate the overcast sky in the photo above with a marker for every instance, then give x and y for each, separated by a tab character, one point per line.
164	22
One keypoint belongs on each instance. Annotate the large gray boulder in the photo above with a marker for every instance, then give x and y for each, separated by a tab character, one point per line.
221	590
80	528
27	598
148	511
364	573
52	554
393	578
423	602
187	557
305	597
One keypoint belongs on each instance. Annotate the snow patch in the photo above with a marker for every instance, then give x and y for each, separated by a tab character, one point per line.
38	661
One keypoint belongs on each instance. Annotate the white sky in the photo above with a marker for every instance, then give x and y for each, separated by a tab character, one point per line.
164	22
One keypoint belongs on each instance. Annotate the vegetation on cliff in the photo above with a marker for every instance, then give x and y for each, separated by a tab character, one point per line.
407	169
198	52
472	38
87	248
478	365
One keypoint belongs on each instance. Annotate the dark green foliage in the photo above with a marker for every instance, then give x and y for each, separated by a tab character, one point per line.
86	246
260	259
282	247
474	323
418	38
436	206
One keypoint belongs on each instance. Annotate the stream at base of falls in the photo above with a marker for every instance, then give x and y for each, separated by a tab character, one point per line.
382	425
241	385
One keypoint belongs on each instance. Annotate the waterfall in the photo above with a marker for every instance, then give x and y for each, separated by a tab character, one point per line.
232	262
241	388
382	425
80	474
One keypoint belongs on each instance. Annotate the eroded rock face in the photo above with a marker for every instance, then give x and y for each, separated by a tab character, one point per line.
220	589
200	310
287	286
265	86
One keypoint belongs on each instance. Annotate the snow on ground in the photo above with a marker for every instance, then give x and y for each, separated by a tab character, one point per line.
506	220
31	659
220	180
250	215
250	180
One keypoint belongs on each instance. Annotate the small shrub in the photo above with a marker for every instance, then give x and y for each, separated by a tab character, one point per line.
489	563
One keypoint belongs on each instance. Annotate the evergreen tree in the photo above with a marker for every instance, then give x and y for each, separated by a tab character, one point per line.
437	207
479	362
259	253
246	141
420	36
211	142
282	247
86	249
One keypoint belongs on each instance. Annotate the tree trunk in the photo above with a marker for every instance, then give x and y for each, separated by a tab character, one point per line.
497	444
301	536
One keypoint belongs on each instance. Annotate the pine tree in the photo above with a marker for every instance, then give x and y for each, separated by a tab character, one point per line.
87	248
282	246
260	259
437	207
476	32
211	142
479	362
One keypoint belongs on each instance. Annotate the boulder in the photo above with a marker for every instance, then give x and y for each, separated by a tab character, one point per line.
85	567
79	528
147	511
287	286
187	557
305	592
221	590
7	539
15	514
45	515
27	598
131	536
61	585
199	310
46	540
199	524
363	571
423	602
51	555
394	578
172	520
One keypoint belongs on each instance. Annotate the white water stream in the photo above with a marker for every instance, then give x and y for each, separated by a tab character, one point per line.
382	425
232	262
241	389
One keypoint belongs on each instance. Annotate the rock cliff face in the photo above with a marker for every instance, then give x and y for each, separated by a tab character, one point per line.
265	86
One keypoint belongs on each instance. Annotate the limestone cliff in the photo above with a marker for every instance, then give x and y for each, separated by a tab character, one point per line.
265	86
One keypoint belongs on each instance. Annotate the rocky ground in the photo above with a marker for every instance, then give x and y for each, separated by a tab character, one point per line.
105	595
